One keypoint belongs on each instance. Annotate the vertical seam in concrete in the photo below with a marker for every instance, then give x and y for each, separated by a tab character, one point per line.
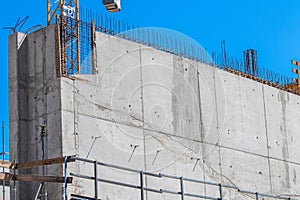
218	128
216	104
200	102
201	124
73	92
143	116
45	116
45	89
220	164
76	135
75	118
18	153
27	99
267	135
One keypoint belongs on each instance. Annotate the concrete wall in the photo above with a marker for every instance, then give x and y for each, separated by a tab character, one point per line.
177	111
244	133
34	100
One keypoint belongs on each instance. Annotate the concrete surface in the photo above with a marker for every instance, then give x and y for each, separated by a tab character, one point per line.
34	100
185	118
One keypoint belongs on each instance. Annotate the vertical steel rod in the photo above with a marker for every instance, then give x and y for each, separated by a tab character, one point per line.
14	187
182	188
142	185
43	135
3	149
66	183
221	191
257	196
96	179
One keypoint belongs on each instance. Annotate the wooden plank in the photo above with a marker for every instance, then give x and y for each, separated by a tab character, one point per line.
39	163
6	176
6	164
39	178
34	178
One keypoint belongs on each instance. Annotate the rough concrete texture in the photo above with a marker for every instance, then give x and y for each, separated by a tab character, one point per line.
185	118
34	100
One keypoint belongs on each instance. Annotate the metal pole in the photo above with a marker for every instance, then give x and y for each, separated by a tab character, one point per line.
96	179
257	196
3	149
38	192
142	185
182	188
66	183
221	191
43	135
14	187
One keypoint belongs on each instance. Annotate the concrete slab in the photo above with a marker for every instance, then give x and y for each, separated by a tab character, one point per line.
246	171
209	103
172	155
285	177
282	110
118	87
157	89
149	110
185	99
241	123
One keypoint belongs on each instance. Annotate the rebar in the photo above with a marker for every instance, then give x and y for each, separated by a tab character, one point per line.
173	45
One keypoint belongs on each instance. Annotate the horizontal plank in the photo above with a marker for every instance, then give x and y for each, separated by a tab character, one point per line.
38	163
6	176
34	178
6	164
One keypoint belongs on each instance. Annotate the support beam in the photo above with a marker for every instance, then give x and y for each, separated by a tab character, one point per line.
38	163
6	164
34	178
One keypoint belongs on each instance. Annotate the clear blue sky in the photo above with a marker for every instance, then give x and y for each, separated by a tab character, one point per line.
271	27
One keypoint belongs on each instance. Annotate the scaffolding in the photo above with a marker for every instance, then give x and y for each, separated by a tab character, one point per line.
65	14
249	68
14	176
142	187
219	187
77	48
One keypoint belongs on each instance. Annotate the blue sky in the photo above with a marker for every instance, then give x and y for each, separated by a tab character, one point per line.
271	27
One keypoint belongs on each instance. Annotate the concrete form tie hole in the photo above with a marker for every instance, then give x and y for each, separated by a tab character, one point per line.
134	148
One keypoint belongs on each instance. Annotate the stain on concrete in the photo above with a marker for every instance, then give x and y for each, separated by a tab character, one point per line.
283	98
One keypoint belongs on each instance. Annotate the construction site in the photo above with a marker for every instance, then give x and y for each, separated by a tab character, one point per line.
99	109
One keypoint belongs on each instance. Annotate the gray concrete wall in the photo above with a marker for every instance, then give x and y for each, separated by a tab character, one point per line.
34	100
244	133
